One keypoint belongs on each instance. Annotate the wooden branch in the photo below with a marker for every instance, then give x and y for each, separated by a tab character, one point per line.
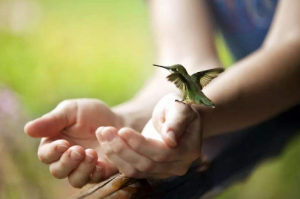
119	186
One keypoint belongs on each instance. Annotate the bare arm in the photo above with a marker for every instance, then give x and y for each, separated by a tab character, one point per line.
261	85
253	90
183	34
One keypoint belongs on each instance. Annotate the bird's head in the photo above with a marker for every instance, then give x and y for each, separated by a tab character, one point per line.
177	68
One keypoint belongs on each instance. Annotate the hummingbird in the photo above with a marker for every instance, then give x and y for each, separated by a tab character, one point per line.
191	86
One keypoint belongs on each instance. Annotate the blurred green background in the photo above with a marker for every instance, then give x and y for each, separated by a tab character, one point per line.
56	50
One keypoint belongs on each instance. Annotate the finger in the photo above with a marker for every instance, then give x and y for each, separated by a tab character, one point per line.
68	162
62	116
122	165
120	148
81	175
147	167
99	172
107	167
127	169
191	141
158	115
51	150
156	150
177	117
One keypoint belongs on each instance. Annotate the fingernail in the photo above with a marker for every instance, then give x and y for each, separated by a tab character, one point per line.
98	169
75	155
28	123
172	137
108	135
89	158
100	137
61	148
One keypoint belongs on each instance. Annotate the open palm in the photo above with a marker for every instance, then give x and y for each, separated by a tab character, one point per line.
69	143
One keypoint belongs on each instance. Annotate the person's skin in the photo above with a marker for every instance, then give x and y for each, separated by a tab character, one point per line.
261	85
149	155
255	89
135	113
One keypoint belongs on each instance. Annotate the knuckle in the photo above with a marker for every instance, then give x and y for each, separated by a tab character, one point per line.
146	166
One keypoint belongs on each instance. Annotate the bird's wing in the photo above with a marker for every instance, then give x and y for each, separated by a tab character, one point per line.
179	81
204	77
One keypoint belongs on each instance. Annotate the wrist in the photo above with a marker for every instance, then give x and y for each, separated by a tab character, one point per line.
130	115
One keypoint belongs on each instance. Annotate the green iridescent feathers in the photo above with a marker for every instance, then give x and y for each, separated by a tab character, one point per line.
178	80
202	78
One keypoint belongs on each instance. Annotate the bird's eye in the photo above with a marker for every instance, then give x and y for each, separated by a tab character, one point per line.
174	69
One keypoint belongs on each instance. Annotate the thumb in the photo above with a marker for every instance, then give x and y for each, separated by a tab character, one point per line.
64	115
177	118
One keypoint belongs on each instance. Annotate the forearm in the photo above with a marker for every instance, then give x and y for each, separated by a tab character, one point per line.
255	89
182	34
137	111
263	84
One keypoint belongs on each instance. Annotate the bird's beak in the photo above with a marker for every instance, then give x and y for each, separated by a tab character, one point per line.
166	67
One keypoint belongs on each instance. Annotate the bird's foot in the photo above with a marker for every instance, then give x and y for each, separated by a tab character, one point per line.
180	101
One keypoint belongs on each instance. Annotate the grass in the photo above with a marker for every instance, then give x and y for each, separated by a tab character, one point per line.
89	49
94	49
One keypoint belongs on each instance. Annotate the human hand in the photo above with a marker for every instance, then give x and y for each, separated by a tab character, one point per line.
168	145
69	144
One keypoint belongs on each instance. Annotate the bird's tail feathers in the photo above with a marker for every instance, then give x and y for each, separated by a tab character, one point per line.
208	102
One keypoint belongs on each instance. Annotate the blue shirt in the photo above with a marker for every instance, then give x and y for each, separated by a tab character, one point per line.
243	23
